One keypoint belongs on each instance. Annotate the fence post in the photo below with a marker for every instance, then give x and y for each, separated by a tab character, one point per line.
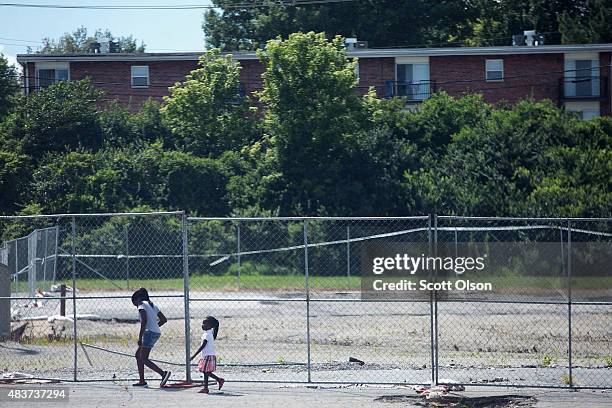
55	255
348	255
238	248
45	260
569	301
186	299
74	306
16	278
435	241
63	299
127	256
31	265
307	298
431	310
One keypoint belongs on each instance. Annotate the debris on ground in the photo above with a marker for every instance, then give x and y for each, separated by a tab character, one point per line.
356	360
445	386
58	288
22	378
435	400
452	385
52	318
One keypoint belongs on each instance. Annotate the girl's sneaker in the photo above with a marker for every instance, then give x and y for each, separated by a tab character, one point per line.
165	378
139	384
203	391
221	382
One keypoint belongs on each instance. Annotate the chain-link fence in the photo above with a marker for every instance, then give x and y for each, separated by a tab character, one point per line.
71	281
548	321
288	294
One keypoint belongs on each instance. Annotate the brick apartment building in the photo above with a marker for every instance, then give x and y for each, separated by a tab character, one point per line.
574	76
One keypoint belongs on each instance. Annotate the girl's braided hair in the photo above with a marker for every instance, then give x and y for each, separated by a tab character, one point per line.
141	295
215	324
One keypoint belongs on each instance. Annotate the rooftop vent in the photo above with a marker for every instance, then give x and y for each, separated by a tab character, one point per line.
94	47
529	38
354	44
104	45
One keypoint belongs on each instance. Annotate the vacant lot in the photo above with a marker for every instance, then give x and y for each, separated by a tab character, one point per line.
264	336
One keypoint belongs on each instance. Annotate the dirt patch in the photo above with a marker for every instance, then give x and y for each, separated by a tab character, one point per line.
459	401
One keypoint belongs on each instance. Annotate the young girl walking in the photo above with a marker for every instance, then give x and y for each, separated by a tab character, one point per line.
208	362
151	318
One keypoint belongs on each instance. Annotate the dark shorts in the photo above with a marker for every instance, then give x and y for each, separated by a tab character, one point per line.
149	338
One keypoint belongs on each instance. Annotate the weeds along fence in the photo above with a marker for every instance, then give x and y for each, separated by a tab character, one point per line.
289	295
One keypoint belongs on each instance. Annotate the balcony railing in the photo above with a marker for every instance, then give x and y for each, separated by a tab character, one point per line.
414	91
583	88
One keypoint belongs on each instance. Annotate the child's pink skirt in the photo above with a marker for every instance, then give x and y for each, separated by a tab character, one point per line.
208	364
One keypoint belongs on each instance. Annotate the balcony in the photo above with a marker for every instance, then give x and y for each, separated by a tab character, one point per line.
583	88
412	92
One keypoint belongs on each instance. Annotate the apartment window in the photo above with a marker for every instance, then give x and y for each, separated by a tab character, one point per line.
412	81
495	70
46	77
581	78
140	76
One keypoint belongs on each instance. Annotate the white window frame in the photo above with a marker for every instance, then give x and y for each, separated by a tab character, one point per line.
570	88
132	76
425	80
487	70
56	66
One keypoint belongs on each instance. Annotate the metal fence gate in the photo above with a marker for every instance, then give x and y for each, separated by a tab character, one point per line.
287	292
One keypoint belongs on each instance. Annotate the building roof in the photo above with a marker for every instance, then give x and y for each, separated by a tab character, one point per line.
361	53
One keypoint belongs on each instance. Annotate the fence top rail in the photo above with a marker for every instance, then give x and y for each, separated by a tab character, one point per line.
128	214
418	217
459	218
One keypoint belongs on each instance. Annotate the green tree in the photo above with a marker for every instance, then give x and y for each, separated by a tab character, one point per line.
114	121
120	127
207	114
147	124
531	159
577	183
9	87
498	21
119	179
381	22
254	179
311	112
432	126
591	24
109	180
14	176
432	23
59	183
194	184
78	41
61	117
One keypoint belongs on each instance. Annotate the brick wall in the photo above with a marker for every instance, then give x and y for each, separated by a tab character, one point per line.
31	77
375	72
114	78
250	75
458	75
